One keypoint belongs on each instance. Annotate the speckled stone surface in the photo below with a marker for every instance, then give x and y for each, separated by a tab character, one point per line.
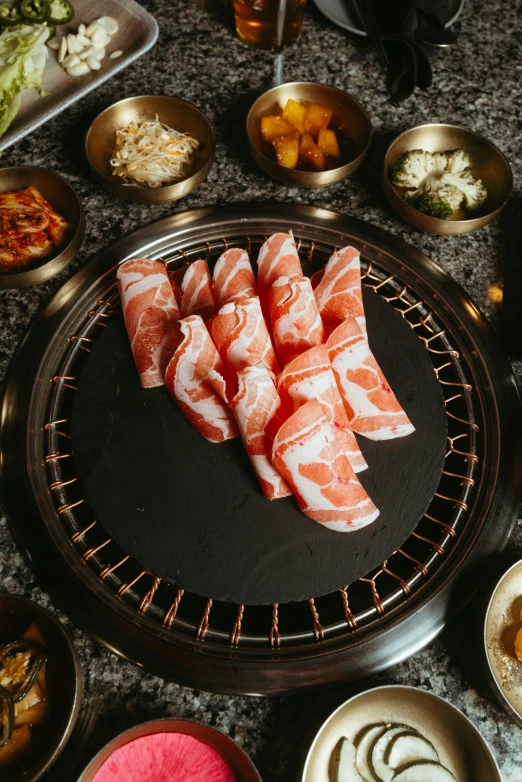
477	84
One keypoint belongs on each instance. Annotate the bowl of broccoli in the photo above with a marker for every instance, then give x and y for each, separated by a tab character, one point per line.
445	179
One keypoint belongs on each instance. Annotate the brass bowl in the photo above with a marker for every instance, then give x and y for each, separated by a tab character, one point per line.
460	746
178	114
237	760
502	623
65	684
490	165
348	117
63	198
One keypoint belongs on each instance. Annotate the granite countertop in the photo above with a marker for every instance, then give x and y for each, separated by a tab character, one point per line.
198	57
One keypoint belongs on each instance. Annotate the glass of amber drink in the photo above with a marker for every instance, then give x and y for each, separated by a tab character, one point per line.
269	24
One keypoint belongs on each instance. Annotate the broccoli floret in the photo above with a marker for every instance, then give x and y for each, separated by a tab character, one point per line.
412	168
457	160
439	182
440	161
442	202
473	190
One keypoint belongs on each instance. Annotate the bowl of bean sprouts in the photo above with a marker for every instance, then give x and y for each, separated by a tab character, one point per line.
151	148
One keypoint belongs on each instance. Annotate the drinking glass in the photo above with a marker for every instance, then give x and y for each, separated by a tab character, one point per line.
269	24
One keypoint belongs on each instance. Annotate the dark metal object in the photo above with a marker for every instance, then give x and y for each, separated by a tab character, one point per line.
63	681
228	542
438	37
374	623
365	11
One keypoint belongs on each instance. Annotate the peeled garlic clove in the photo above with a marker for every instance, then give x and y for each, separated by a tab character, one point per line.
115	55
100	37
55	42
79	70
70	60
91	28
110	24
81	29
93	63
72	46
83	40
63	50
99	52
86	53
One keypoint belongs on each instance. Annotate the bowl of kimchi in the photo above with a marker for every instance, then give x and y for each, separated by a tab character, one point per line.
42	225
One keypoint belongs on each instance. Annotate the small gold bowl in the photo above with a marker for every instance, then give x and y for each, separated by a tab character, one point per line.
237	760
64	200
502	623
64	682
178	114
349	119
459	744
489	165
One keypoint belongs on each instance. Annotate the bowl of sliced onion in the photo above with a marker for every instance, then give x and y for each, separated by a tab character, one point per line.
151	148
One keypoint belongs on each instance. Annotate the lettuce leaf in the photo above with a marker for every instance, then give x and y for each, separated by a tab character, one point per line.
23	55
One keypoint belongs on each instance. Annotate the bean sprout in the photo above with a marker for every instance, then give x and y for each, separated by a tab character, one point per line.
152	154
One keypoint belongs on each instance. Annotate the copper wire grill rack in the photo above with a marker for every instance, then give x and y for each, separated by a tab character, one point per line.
359	629
347	610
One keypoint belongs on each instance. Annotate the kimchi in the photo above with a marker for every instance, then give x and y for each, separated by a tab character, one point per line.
30	229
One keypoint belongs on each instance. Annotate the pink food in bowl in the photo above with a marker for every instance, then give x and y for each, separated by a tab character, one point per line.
165	757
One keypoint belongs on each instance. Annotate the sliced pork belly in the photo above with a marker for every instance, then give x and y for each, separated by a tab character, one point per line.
277	258
338	294
372	407
233	278
189	383
309	456
196	287
310	376
240	334
295	319
151	314
259	415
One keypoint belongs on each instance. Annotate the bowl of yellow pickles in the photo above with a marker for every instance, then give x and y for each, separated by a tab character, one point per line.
308	135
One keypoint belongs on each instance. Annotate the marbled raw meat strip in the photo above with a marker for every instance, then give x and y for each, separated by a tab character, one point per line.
233	278
295	319
151	314
196	288
310	376
309	456
277	258
240	334
259	415
372	407
339	294
187	380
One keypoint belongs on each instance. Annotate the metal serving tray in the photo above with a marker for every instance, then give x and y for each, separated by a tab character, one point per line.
360	629
137	34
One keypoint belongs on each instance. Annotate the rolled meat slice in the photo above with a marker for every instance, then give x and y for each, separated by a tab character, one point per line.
259	415
295	319
188	383
372	407
338	294
240	334
151	313
233	278
309	456
310	376
196	287
277	258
